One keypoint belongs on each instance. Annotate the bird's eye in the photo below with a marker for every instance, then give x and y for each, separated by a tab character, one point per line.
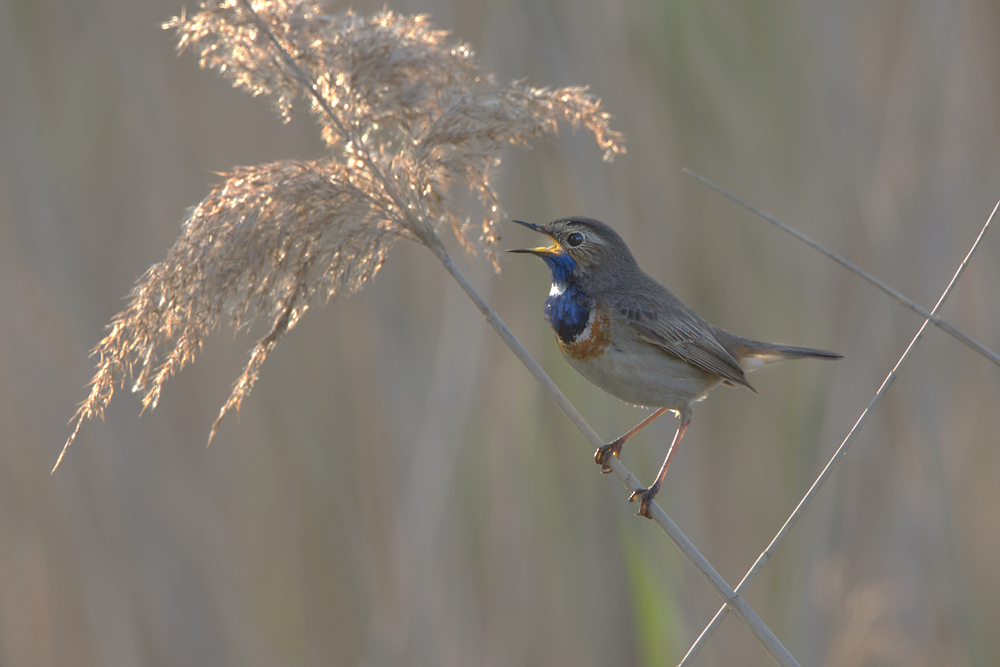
574	239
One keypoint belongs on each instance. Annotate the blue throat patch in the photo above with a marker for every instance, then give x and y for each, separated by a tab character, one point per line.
567	309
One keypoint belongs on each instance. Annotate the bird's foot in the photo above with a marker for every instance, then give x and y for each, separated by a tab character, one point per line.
645	498
602	456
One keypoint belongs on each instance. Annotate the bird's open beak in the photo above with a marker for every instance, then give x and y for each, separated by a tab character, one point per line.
542	251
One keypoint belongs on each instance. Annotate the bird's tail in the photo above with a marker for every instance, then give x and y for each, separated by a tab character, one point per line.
754	353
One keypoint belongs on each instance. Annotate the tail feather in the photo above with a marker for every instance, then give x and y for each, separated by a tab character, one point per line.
754	353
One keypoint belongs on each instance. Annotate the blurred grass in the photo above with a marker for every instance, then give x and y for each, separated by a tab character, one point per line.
397	490
658	621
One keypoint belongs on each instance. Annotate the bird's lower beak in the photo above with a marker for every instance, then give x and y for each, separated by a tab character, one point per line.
549	250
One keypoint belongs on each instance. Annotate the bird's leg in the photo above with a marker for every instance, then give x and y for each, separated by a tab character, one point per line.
615	446
645	496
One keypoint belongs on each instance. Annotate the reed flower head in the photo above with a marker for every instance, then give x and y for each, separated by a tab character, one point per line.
405	117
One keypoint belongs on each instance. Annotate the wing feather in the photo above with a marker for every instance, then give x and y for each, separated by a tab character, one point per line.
679	331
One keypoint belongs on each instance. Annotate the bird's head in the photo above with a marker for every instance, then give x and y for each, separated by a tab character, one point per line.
582	248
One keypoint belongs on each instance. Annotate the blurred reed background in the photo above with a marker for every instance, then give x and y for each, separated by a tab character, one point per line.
397	490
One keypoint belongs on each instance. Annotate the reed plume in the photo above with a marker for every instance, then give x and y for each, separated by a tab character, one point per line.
405	117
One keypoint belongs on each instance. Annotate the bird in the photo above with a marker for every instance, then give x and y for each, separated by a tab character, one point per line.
629	335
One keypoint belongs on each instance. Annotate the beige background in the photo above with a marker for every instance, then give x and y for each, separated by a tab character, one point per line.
397	490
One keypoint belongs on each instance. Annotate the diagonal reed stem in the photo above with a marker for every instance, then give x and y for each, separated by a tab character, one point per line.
732	599
431	240
837	456
895	294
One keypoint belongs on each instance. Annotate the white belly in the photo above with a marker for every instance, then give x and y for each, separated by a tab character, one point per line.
651	378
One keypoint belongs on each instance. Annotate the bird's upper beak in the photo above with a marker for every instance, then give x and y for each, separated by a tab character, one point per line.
541	251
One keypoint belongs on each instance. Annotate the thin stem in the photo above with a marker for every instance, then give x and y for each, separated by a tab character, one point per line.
732	599
837	456
432	241
898	296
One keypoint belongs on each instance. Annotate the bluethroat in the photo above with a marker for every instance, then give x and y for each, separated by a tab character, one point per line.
631	337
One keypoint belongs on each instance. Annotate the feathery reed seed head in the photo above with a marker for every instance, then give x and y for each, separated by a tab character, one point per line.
404	116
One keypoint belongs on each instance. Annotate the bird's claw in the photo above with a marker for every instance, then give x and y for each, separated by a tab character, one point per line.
645	498
602	456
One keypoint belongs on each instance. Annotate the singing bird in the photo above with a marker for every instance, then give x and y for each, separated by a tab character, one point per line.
634	339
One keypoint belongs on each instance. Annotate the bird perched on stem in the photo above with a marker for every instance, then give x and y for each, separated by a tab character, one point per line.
631	337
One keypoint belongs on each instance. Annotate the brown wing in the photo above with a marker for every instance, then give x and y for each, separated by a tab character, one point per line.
663	320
